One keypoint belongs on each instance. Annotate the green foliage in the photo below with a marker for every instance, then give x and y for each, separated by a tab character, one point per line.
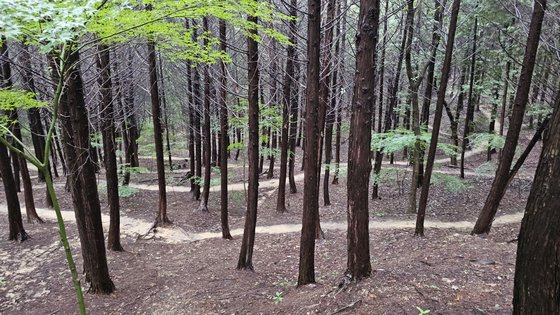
132	169
11	99
452	183
278	297
488	168
539	110
126	191
421	311
487	141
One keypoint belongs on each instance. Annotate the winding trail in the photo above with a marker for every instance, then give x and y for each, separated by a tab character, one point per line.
136	228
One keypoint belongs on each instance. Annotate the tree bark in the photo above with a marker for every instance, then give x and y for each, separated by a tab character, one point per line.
82	179
389	118
437	118
108	131
359	164
203	206
499	185
287	106
537	268
223	136
161	219
246	253
469	120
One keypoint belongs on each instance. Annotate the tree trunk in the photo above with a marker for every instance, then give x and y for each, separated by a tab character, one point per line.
203	206
246	253
15	222
389	118
286	108
223	136
499	184
196	127
161	219
470	104
437	118
82	179
294	112
359	164
429	88
326	118
312	130
108	130
537	268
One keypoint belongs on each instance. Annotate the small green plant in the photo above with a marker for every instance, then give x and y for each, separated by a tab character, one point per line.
126	191
421	311
278	297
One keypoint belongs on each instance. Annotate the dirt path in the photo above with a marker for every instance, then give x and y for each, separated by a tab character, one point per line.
175	234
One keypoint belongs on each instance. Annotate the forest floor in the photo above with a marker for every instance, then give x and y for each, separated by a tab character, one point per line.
188	268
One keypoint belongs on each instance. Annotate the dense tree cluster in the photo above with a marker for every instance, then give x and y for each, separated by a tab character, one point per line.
82	82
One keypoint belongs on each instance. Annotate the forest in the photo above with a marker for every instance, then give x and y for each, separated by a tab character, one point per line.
280	157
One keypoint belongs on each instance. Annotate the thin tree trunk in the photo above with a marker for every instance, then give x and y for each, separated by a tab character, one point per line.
470	104
161	219
312	130
437	117
390	111
108	130
286	109
246	253
223	136
499	184
203	206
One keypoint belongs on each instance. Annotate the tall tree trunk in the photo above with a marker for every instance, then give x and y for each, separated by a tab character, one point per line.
82	179
326	118
15	127
165	113
246	253
197	95
294	112
108	130
505	93
203	206
429	87
359	164
437	118
312	135
223	136
33	114
287	106
389	118
161	219
15	222
537	269
499	184
469	120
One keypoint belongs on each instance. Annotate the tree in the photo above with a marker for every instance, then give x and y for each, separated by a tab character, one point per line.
469	120
246	253
499	185
437	118
81	170
108	130
537	268
312	130
287	105
359	164
161	219
223	136
203	206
